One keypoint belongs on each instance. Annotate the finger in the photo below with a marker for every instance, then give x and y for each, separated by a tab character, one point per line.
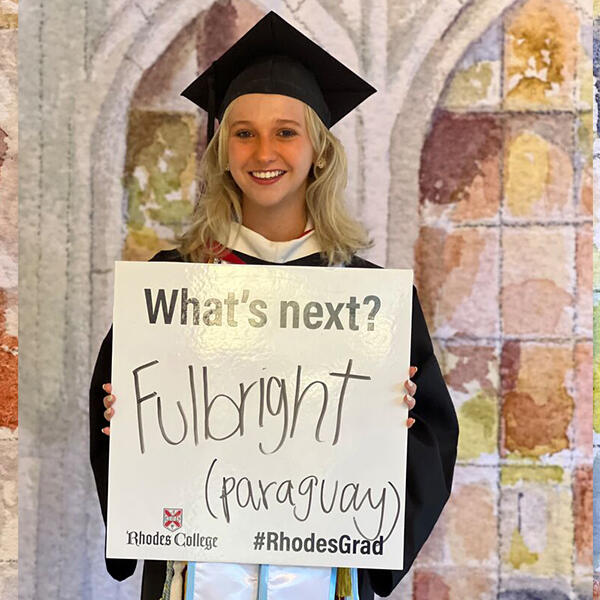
109	401
410	422
409	401
107	387
412	371
410	387
108	413
105	430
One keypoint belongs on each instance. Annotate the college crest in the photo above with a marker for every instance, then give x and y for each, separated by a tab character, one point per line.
172	518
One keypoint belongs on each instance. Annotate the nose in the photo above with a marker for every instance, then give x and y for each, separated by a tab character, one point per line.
265	150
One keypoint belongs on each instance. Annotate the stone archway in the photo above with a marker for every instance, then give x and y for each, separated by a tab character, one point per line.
116	71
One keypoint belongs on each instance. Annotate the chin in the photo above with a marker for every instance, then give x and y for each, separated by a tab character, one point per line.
265	203
268	198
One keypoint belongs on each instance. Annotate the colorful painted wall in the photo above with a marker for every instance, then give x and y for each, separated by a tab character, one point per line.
8	299
504	262
486	190
596	302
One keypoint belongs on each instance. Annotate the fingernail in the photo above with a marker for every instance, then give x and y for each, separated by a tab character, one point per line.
410	422
104	385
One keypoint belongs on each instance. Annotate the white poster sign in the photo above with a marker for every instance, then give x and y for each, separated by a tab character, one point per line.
259	414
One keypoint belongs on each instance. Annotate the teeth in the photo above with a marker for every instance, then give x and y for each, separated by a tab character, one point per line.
266	174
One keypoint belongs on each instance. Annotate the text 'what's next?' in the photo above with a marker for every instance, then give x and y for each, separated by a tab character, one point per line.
177	306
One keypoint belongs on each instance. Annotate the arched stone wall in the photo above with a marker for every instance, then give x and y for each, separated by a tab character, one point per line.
116	70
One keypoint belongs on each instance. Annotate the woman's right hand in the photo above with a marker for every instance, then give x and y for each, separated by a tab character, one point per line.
108	400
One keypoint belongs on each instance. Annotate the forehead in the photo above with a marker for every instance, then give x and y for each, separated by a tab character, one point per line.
266	108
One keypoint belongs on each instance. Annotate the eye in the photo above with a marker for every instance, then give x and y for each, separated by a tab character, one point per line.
243	133
286	133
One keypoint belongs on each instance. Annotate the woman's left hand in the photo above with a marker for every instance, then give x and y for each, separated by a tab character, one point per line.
409	400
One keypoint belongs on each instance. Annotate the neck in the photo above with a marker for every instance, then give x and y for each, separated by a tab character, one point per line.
278	224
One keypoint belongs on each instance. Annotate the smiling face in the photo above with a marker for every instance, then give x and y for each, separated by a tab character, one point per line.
270	155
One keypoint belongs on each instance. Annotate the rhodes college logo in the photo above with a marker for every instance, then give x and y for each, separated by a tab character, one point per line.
172	518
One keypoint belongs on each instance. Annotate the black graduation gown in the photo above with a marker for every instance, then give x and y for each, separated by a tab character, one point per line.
432	443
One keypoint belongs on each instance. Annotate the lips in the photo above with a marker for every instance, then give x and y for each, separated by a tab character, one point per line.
266	177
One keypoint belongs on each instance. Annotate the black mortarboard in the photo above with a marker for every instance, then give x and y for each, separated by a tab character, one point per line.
275	58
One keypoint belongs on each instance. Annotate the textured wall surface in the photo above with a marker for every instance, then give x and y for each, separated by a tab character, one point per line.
473	164
8	299
596	302
504	262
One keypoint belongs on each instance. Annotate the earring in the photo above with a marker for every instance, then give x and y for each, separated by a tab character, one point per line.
227	168
320	163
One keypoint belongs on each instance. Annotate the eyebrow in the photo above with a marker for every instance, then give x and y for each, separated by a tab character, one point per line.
279	121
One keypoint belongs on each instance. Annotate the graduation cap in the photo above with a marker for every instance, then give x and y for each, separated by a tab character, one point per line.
275	58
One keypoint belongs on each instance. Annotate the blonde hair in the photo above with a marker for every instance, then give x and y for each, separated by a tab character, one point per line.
219	202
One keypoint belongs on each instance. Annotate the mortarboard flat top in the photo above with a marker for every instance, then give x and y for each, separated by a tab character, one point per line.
275	58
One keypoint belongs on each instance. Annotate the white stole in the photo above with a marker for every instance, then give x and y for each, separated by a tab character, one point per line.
215	581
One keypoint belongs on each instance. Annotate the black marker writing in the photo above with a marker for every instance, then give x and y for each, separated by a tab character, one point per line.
380	507
274	399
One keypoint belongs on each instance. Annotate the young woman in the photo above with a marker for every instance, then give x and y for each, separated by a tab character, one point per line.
273	178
